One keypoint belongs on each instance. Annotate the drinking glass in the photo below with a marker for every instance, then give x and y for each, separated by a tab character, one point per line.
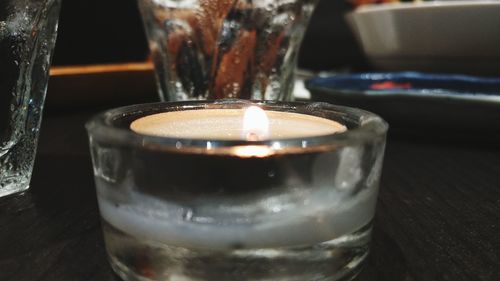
212	49
27	35
292	209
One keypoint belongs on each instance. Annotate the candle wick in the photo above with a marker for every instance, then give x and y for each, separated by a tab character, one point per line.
252	136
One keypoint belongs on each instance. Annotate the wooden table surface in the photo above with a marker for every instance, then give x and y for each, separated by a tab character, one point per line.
438	214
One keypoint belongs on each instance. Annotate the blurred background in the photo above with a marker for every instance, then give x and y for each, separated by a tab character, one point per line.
424	37
110	31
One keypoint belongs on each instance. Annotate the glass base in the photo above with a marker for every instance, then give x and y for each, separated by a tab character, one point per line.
138	259
16	164
14	185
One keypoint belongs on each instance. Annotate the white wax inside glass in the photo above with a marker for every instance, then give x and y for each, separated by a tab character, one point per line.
228	124
330	215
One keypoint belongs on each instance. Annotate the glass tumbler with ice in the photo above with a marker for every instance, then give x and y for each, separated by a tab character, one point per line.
27	35
212	49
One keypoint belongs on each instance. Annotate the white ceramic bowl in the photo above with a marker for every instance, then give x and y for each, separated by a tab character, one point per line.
439	36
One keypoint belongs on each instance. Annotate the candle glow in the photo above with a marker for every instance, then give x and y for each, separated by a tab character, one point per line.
247	151
250	124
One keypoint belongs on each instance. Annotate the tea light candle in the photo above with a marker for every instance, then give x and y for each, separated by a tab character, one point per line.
249	196
231	184
251	124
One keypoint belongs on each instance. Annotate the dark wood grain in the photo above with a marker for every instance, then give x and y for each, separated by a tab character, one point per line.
438	216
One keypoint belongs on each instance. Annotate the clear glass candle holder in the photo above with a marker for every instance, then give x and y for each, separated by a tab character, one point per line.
294	208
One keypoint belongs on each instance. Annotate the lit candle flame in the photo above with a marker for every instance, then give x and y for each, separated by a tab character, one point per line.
255	124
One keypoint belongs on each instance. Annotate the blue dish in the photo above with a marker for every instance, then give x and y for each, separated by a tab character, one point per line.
411	83
435	101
